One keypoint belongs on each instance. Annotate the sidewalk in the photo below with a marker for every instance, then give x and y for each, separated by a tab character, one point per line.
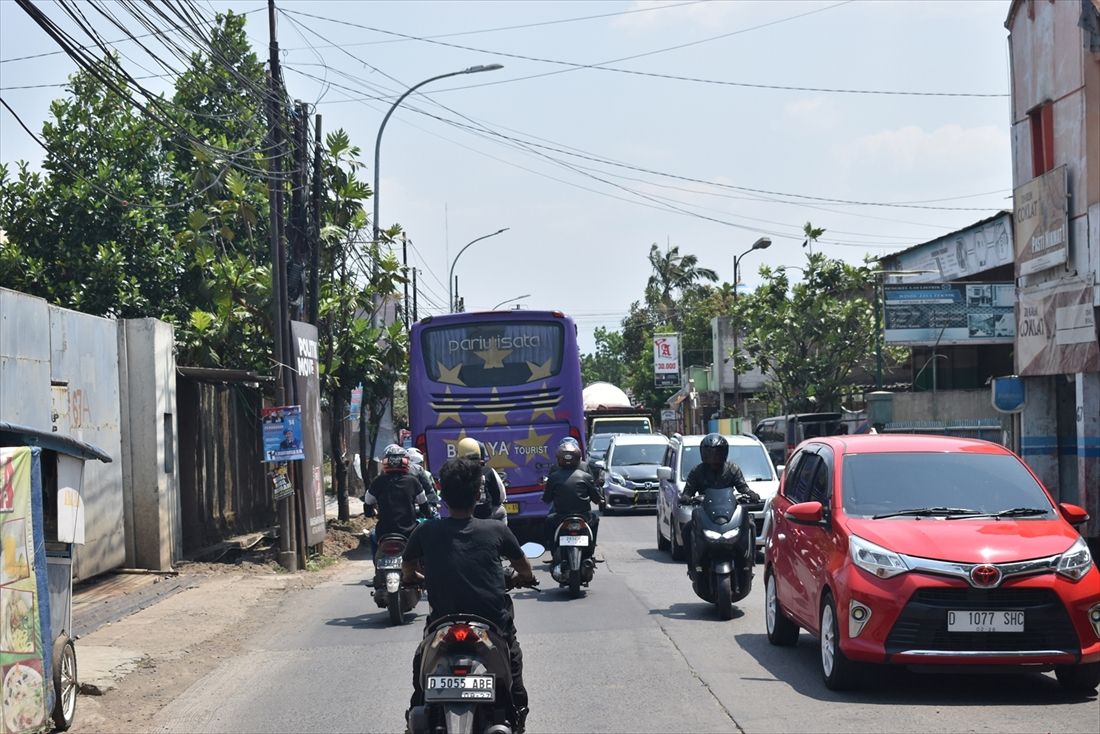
124	621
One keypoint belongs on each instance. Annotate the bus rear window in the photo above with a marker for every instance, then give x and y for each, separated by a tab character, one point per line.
493	354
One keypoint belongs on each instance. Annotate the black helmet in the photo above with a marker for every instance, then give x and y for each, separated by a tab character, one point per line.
714	449
568	453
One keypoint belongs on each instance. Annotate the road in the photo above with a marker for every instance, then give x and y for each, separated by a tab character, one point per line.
640	653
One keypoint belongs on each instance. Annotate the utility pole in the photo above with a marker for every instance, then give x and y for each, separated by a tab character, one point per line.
405	272
287	554
315	231
416	313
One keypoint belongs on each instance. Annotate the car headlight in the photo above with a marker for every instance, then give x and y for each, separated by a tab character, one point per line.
1075	562
875	559
715	535
618	478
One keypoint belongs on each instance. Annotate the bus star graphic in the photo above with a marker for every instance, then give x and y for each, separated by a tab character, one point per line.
449	375
539	371
495	417
493	357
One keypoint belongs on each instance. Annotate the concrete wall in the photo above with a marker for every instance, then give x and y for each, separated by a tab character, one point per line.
150	463
60	370
949	406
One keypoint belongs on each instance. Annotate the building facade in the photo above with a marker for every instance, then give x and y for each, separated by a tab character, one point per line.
1055	65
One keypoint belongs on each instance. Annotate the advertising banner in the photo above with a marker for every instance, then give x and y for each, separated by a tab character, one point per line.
23	676
949	313
282	433
666	360
1042	227
980	247
308	386
1056	329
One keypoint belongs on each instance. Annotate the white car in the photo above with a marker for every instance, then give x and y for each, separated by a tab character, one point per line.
683	456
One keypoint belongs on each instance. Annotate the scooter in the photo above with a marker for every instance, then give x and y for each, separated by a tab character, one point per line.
389	590
722	553
466	675
574	544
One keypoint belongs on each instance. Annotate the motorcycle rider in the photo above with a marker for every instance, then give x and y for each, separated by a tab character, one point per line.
427	481
395	495
462	570
713	472
570	490
491	501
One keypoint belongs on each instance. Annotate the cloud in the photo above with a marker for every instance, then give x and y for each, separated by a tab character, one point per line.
818	114
911	149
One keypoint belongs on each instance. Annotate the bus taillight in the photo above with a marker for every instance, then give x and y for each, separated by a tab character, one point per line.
422	445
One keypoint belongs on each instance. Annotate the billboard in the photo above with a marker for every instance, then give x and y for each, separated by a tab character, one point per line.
975	249
1042	227
1056	329
666	360
949	313
308	390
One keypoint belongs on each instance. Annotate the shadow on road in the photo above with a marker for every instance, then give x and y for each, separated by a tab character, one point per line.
374	621
887	685
700	611
652	554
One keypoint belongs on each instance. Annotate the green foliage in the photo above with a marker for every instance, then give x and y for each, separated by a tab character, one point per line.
810	336
607	363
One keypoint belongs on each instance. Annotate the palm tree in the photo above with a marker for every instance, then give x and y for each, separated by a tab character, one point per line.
673	271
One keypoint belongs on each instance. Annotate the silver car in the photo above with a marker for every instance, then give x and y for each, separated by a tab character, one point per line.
683	456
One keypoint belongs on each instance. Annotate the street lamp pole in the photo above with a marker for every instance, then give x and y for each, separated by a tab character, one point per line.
451	272
378	150
509	300
761	244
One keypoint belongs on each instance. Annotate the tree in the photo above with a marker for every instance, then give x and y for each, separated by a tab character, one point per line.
812	234
607	363
811	336
672	272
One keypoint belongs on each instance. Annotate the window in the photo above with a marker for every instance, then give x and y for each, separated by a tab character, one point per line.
493	354
800	484
1042	138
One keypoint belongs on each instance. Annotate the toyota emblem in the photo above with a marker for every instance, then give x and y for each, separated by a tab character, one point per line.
985	576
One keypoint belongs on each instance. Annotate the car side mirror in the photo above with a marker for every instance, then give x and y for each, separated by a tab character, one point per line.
1074	515
806	513
664	472
601	465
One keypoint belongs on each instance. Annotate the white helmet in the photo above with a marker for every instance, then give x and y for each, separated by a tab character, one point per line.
415	457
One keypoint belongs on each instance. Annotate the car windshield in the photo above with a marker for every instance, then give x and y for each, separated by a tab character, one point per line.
944	484
638	453
624	425
599	443
753	460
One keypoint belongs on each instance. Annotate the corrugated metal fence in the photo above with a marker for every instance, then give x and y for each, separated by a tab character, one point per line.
223	483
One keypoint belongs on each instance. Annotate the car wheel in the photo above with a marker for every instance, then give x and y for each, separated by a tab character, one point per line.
662	541
1079	678
64	682
782	632
839	672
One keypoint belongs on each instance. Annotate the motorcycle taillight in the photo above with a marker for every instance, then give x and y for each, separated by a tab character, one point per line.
576	526
459	633
391	548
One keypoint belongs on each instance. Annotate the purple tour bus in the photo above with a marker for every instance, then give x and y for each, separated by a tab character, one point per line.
511	379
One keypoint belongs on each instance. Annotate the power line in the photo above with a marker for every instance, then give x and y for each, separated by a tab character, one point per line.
657	75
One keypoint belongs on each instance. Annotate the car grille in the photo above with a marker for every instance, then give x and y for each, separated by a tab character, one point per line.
922	625
645	497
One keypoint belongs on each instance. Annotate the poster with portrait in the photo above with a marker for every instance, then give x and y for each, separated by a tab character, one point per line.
282	432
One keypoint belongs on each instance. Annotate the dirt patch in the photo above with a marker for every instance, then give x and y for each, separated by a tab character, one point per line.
343	539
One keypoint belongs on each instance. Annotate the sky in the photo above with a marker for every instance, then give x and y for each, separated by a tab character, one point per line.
702	125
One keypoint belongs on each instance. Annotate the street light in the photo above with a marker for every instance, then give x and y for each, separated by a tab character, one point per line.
517	298
378	146
451	272
761	244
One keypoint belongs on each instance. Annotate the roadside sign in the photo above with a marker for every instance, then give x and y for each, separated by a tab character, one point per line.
1008	394
282	430
280	482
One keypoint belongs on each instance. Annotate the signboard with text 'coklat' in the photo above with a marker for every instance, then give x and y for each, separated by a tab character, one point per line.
1042	228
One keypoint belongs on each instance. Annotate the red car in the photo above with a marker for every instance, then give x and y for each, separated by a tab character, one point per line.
926	550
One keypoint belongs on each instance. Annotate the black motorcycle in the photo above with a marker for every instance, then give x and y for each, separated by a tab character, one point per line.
572	552
466	675
722	553
390	592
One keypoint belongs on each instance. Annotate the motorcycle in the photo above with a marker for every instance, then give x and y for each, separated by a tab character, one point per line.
390	592
723	552
573	562
466	674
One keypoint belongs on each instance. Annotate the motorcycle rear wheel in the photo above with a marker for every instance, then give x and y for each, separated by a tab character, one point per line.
397	614
575	584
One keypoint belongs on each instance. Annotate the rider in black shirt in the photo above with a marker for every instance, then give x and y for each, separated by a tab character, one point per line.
461	561
571	490
396	495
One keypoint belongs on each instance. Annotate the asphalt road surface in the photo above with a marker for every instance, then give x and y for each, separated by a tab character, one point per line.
639	653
